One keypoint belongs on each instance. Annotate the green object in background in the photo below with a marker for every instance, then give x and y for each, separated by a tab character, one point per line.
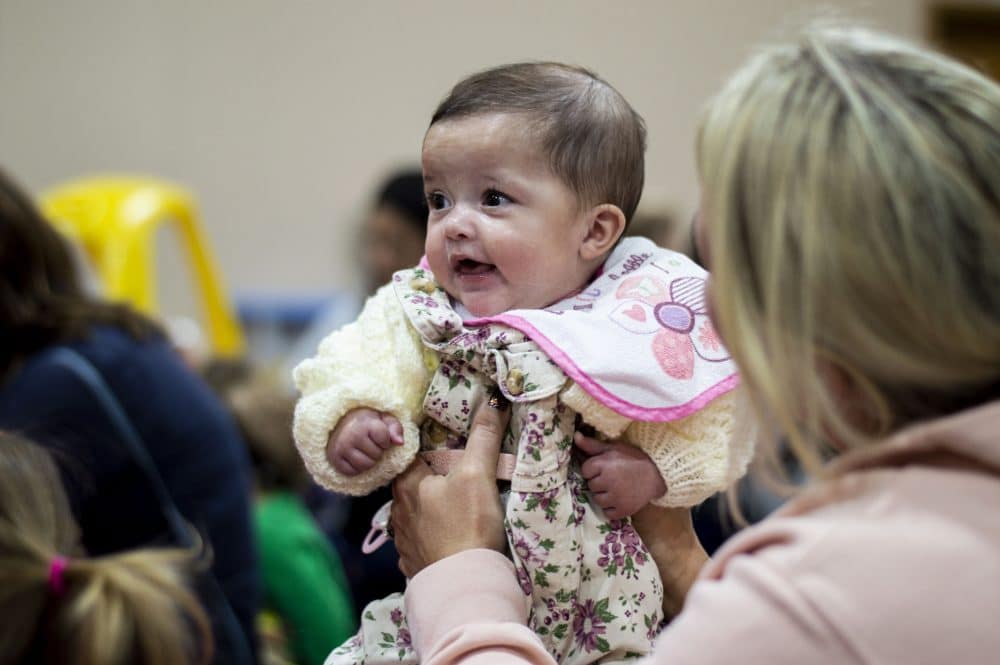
304	582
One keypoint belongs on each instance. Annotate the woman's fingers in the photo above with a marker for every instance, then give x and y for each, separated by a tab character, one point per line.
670	536
406	483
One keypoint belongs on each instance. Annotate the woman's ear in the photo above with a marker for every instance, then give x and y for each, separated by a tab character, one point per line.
605	224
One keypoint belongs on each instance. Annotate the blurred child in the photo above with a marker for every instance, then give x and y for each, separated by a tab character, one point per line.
61	606
99	383
308	608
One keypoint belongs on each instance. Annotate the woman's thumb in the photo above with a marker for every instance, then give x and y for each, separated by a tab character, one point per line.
486	433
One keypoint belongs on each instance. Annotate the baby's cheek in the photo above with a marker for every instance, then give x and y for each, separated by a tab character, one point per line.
436	259
430	243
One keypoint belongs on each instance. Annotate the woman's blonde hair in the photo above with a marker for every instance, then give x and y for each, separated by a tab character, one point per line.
132	607
852	199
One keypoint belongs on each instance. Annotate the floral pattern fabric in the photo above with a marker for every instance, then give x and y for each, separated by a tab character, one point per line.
595	591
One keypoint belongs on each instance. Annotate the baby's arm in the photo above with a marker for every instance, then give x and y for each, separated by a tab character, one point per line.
622	479
375	363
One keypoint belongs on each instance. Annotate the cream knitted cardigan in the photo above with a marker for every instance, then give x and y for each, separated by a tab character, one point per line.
379	362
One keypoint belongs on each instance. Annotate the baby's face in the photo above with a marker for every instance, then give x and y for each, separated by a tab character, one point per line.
504	232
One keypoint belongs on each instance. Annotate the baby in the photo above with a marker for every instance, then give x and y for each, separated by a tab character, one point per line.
532	172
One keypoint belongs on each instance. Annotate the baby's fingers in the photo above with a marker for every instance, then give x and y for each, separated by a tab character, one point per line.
338	461
394	428
605	501
370	448
346	459
598	484
378	435
590	445
592	468
359	459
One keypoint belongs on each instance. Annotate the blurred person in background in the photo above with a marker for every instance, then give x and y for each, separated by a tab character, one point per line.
61	605
100	386
392	238
307	601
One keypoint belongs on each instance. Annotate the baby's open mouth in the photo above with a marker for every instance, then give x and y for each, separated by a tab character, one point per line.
472	267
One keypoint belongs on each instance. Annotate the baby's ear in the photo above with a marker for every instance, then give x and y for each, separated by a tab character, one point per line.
606	223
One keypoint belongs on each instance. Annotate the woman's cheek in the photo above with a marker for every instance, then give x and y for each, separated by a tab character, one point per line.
710	308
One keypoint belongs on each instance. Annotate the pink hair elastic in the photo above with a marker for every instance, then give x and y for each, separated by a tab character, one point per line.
57	584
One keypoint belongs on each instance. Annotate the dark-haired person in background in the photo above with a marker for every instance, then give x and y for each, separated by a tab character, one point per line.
392	238
191	441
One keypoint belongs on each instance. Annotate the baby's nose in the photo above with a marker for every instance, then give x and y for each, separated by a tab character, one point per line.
461	223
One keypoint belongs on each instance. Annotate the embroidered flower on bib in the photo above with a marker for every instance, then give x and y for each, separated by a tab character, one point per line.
676	315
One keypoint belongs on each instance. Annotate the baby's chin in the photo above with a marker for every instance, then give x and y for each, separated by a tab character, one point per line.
487	303
482	308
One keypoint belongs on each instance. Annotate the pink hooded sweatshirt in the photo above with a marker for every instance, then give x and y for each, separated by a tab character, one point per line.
896	561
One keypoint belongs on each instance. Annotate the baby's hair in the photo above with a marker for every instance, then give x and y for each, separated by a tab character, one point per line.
60	606
853	211
594	140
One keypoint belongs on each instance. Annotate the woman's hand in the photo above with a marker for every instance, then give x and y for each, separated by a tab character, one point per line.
435	516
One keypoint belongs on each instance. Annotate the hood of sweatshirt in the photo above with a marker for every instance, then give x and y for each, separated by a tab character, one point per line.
969	438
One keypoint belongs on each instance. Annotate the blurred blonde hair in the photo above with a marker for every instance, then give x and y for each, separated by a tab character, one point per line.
125	608
852	194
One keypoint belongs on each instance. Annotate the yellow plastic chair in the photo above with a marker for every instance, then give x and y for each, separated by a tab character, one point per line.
115	220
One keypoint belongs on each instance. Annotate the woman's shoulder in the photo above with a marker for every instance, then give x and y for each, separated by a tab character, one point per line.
105	345
888	507
888	560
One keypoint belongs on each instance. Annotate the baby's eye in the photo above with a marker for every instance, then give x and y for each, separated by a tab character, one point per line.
437	201
492	198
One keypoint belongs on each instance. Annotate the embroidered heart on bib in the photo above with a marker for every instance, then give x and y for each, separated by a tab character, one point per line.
636	313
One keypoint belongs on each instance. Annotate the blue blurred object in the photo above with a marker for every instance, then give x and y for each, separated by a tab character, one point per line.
284	329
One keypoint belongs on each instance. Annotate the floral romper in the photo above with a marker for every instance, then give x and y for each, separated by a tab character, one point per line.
595	591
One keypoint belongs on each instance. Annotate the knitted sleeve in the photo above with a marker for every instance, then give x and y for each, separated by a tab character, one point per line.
376	362
697	455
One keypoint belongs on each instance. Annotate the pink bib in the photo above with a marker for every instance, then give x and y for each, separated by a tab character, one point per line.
638	338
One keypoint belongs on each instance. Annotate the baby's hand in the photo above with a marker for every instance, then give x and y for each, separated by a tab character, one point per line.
621	477
360	439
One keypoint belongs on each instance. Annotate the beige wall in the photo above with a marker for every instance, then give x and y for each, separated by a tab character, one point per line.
282	115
